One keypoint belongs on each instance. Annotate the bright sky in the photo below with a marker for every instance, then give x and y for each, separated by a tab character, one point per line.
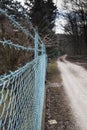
59	21
58	3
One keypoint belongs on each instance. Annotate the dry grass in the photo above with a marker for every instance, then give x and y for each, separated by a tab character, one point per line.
5	104
53	75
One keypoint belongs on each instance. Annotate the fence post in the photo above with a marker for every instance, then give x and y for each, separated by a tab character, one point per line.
43	49
36	44
36	81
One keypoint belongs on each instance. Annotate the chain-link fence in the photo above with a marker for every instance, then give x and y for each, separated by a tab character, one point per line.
22	91
22	97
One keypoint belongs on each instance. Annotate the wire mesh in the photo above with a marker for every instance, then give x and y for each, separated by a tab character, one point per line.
22	91
22	96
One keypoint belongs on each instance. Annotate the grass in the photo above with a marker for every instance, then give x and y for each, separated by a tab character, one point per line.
53	74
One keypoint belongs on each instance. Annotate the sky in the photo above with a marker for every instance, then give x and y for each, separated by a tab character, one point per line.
58	3
59	22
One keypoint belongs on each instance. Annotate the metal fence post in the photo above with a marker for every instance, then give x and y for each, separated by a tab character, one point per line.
36	44
42	49
36	81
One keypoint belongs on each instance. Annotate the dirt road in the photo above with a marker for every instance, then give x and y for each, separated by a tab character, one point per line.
74	78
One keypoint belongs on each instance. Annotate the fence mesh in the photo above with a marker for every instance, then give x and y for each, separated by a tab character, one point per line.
22	91
22	96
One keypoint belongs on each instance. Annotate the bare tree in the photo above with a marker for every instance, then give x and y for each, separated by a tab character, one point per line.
76	15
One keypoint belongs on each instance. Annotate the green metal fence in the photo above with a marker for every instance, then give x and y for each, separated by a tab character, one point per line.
22	91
